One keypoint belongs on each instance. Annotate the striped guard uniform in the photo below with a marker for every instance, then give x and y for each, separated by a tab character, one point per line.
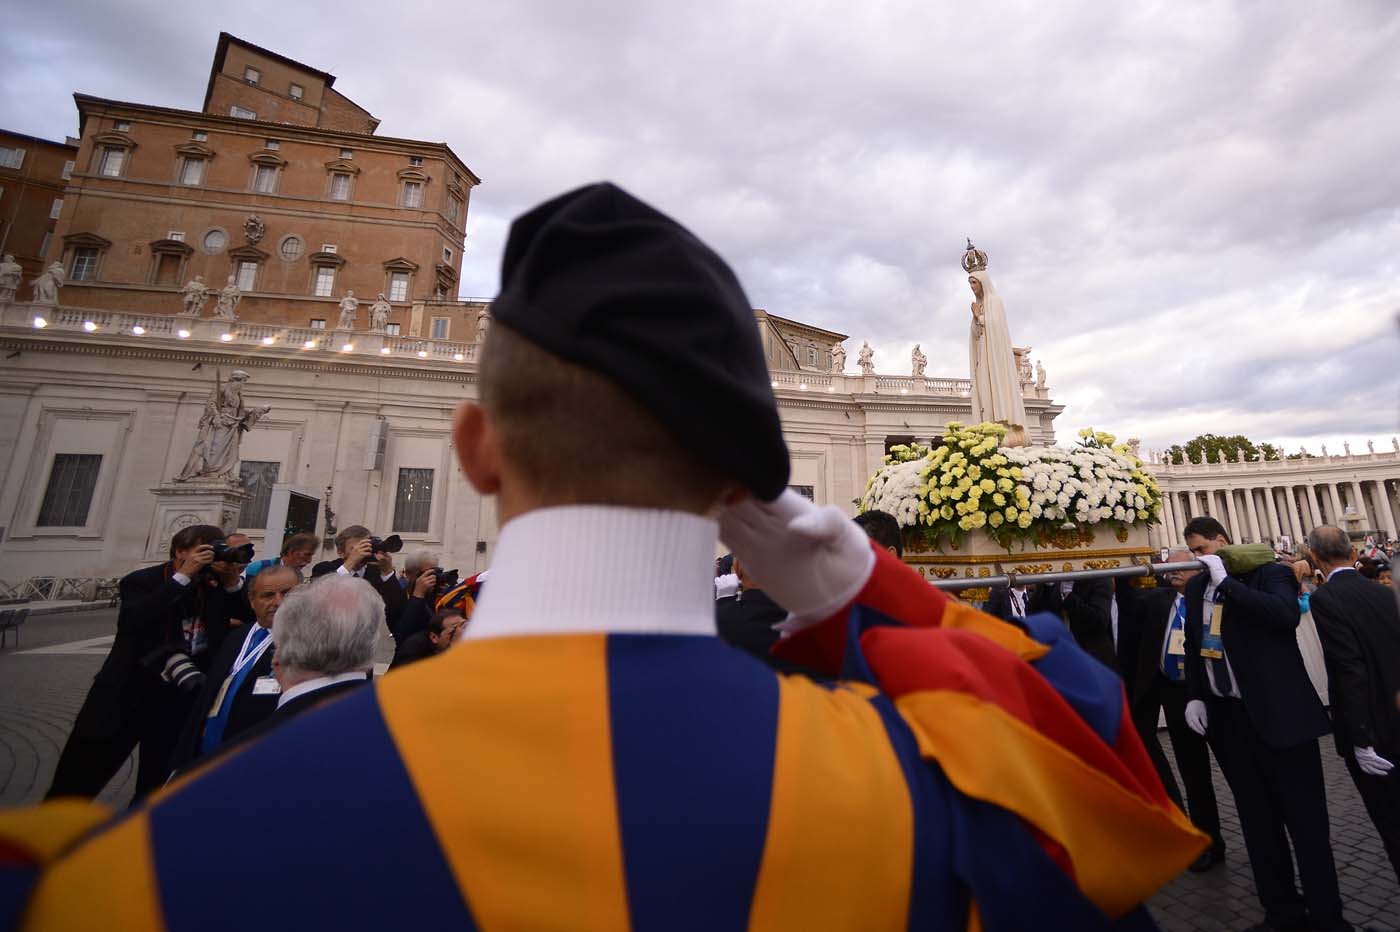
959	775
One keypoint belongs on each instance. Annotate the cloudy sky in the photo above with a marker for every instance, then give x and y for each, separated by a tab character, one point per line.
1192	209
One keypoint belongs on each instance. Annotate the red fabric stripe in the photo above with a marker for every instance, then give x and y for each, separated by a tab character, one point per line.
911	660
893	589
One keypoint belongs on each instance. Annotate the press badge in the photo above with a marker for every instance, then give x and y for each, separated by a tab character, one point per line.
1212	647
266	686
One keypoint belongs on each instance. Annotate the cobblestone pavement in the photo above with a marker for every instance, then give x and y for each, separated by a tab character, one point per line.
1223	898
40	694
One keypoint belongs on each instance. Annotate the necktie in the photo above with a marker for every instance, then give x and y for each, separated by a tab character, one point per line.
1174	664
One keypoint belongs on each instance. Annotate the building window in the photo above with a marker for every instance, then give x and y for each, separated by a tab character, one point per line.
68	169
325	282
412	194
318	323
812	356
440	328
201	136
44	246
191	170
391	329
84	265
329	247
11	157
176	235
256	477
415	160
56	208
447	254
398	286
454	208
111	162
272	144
215	241
265	179
340	186
252	75
296	92
123	126
242	113
347	154
806	491
247	275
413	500
291	249
72	480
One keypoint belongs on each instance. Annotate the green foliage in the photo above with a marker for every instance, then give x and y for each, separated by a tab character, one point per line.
1208	447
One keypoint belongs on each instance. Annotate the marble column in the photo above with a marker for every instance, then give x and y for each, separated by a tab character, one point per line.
1253	513
1335	500
1359	501
1382	503
1274	529
1176	517
1236	529
1300	532
1313	505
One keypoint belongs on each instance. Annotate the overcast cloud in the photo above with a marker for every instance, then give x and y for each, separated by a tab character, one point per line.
1192	209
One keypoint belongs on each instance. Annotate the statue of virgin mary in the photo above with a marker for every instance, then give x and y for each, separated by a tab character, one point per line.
996	385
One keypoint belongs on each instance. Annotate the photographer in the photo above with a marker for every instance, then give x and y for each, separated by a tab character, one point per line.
298	551
441	630
358	557
173	617
421	578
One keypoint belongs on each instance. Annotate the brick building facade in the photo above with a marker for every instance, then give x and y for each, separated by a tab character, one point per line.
279	183
33	174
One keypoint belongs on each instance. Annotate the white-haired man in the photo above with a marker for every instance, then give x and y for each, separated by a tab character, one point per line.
325	635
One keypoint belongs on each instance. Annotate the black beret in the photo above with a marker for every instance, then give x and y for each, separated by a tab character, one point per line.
611	284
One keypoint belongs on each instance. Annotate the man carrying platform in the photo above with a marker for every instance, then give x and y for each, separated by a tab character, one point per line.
591	756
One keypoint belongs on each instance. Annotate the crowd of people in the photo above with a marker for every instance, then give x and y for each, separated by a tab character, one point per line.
618	733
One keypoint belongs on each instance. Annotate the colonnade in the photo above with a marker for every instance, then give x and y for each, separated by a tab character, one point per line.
1284	507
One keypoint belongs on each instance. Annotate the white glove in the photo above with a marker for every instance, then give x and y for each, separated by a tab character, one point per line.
1216	567
811	560
1371	762
1196	717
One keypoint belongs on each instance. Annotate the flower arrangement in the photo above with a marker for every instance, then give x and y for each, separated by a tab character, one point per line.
970	483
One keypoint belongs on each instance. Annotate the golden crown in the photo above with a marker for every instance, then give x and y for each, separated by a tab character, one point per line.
974	260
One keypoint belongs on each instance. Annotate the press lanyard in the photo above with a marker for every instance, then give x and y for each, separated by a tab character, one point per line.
248	653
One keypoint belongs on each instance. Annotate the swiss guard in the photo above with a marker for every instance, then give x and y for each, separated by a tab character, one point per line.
592	756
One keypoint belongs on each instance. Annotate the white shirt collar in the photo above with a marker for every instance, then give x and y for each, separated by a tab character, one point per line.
319	682
1340	569
598	569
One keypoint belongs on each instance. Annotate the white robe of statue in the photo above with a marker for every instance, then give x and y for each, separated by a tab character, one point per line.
996	385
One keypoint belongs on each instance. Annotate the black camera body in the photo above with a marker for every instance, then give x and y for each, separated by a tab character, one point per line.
223	553
391	544
446	581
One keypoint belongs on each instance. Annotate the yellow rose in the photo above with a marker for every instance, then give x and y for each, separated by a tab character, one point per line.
965	524
947	512
1006	485
995	519
974	472
1015	472
988	485
979	520
1142	514
1024	521
1011	513
999	500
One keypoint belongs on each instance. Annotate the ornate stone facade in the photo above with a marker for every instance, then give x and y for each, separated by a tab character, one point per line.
127	392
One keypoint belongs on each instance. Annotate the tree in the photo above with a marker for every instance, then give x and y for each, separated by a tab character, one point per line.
1208	447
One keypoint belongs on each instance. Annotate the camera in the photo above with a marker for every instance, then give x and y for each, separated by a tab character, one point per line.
391	544
223	553
446	581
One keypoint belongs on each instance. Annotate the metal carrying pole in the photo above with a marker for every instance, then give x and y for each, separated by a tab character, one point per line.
1031	579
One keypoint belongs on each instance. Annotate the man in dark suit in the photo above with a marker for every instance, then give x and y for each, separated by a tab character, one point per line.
172	617
357	558
1359	625
1087	607
1151	638
240	690
1250	695
438	635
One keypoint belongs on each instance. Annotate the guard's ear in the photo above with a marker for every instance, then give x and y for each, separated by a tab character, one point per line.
478	448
